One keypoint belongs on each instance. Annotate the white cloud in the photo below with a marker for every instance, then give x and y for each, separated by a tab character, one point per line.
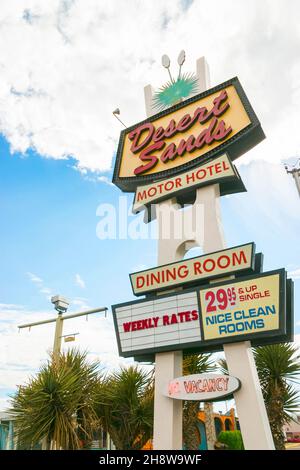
65	65
45	290
295	275
81	302
11	306
34	278
297	340
79	281
40	284
105	179
271	197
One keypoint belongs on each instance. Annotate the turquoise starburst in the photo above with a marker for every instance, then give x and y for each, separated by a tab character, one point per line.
173	92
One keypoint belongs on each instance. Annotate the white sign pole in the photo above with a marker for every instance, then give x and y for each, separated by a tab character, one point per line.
167	432
249	400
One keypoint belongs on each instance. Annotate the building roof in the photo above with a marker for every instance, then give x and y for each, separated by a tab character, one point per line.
6	416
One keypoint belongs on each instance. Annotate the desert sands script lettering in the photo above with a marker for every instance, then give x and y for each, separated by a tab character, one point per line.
146	139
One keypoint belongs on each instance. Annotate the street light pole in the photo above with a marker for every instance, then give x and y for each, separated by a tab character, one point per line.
295	172
61	305
58	335
59	320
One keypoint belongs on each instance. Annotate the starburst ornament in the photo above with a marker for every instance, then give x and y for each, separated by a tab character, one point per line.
175	90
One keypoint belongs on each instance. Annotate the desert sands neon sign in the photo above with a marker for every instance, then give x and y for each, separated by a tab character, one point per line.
187	135
217	130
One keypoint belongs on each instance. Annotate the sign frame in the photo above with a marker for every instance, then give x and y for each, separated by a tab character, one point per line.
282	334
235	146
200	281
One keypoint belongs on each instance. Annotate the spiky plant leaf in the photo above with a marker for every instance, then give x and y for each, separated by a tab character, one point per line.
172	93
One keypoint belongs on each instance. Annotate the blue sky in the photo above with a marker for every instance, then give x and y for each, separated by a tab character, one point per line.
49	210
63	71
50	224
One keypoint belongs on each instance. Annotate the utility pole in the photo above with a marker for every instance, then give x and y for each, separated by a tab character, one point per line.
61	305
295	172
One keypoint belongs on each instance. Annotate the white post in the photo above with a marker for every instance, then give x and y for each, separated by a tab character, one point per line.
167	433
57	335
167	412
249	401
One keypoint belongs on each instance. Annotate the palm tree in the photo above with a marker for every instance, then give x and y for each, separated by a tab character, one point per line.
193	364
278	366
124	405
57	406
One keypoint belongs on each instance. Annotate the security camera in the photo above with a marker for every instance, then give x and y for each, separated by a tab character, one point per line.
61	304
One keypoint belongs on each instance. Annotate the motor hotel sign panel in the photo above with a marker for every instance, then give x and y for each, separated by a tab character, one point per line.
186	135
220	171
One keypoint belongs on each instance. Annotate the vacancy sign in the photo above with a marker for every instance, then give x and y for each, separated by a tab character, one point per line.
245	307
212	265
202	387
158	324
220	170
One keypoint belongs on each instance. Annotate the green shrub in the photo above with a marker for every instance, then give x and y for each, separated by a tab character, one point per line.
233	439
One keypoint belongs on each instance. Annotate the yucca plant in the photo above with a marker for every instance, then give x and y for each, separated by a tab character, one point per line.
125	407
278	366
56	407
